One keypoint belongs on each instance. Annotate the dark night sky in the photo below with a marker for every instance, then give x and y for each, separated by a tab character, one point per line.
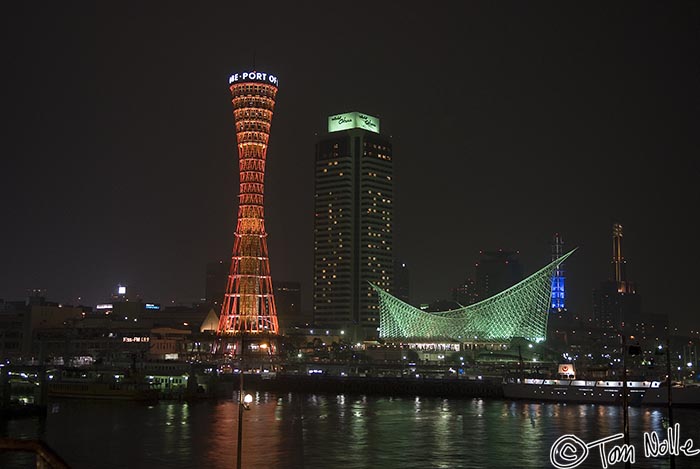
510	121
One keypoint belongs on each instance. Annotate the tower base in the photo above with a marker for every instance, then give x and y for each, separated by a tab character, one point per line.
248	352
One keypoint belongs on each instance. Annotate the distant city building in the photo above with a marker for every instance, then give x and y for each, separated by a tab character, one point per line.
616	303
558	303
288	297
178	316
652	326
465	293
619	263
353	224
25	325
442	305
119	332
288	301
215	286
120	292
12	329
497	271
402	282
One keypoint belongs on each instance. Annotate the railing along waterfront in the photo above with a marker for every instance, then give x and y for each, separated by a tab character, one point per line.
46	458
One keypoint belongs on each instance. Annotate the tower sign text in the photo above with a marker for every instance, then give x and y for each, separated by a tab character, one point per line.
353	120
253	76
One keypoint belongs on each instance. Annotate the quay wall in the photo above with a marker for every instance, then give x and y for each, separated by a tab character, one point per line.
388	386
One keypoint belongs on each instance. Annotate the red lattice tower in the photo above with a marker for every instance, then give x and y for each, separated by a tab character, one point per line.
249	305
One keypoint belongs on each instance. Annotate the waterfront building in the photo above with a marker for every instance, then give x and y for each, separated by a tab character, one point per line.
24	324
521	310
168	343
249	305
353	224
210	323
12	329
37	330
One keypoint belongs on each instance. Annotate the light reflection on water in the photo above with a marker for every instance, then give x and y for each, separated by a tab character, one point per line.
349	431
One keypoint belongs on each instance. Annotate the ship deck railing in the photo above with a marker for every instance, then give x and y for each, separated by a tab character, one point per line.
592	383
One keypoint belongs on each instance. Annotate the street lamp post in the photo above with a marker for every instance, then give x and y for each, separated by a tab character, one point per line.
244	401
625	415
243	404
669	385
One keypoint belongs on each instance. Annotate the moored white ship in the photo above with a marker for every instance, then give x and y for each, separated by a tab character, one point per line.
578	391
568	389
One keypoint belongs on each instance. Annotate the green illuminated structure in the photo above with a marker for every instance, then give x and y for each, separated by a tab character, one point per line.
520	311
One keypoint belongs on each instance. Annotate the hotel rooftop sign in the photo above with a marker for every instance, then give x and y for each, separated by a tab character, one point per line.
353	120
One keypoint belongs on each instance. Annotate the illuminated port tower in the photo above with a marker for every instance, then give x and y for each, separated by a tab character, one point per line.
248	310
557	303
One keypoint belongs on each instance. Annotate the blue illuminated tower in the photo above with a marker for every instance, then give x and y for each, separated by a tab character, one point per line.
557	305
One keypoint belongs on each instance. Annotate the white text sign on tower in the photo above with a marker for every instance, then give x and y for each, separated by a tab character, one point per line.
353	120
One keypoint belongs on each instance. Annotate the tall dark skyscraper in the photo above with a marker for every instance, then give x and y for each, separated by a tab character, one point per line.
616	303
465	293
353	225
288	303
496	271
619	263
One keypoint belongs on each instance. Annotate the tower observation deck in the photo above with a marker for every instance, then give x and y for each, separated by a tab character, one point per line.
249	306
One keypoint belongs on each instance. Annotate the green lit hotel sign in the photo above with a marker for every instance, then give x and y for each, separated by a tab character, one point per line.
353	120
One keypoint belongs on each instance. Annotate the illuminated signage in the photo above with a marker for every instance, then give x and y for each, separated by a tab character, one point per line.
253	76
121	290
136	339
566	369
104	306
152	306
353	120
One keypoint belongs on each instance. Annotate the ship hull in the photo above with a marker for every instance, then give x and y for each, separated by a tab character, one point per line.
581	392
103	391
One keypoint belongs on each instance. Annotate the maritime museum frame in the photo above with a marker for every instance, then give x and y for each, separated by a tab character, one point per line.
519	311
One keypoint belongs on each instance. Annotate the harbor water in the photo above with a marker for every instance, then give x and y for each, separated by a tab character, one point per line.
294	430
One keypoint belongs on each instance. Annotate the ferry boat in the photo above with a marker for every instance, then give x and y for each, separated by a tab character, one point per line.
90	384
97	390
569	389
578	391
